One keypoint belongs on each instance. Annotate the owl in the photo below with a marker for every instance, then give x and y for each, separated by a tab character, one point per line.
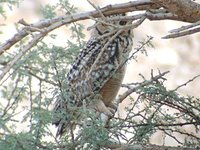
96	75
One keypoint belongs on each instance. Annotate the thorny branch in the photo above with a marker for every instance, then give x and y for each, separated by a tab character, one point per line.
144	147
184	84
107	10
25	48
153	12
51	24
165	100
144	83
46	26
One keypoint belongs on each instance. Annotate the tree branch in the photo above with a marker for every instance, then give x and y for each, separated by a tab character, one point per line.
133	89
116	146
46	26
25	48
66	19
186	10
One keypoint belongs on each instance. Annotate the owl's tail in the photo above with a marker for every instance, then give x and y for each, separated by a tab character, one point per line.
61	117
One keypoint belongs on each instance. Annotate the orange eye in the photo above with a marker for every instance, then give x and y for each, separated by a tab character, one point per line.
104	25
122	23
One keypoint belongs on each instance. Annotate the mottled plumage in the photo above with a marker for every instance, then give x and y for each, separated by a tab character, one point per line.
98	70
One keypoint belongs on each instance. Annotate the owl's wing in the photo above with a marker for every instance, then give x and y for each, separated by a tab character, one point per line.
93	68
84	61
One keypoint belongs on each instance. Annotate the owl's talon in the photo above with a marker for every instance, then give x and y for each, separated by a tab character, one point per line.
112	110
113	106
100	107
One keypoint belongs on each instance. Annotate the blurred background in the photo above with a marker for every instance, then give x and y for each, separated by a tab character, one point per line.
181	56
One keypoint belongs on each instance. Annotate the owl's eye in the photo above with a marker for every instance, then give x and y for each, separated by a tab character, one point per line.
122	23
104	25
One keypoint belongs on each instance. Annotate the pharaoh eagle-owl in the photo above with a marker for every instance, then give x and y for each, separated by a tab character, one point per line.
97	72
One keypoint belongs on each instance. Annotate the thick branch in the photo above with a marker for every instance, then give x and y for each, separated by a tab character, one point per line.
47	26
115	146
180	8
186	10
65	19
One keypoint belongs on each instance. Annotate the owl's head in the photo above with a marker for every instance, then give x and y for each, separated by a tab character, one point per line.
109	24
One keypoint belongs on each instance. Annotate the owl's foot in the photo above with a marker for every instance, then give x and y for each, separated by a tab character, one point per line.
113	106
101	107
112	110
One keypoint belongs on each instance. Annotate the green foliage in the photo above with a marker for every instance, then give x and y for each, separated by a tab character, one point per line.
48	11
17	141
27	95
63	6
8	3
2	12
94	134
38	78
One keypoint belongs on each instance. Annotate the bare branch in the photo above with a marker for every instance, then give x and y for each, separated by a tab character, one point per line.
66	19
184	84
116	146
161	16
47	26
184	30
152	11
108	10
180	34
186	10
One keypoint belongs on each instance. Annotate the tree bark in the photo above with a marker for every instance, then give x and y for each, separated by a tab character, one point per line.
186	10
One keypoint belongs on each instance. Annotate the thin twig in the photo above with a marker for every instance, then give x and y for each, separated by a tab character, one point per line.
180	34
35	40
97	8
66	19
183	28
184	84
133	89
